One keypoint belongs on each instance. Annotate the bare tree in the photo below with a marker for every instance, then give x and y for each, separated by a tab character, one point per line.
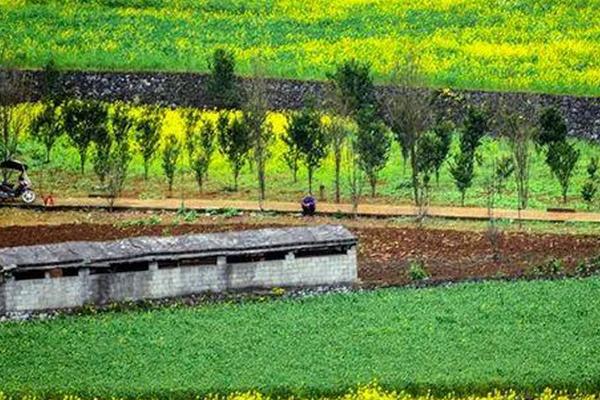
261	132
354	172
408	112
516	122
339	130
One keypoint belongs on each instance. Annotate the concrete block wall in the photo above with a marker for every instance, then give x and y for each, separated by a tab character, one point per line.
75	291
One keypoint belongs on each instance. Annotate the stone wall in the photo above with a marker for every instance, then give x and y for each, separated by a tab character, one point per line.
188	89
86	288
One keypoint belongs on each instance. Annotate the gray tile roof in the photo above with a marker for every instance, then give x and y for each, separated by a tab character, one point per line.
176	247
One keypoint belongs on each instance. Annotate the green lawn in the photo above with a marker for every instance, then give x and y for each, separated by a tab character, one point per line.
546	46
468	338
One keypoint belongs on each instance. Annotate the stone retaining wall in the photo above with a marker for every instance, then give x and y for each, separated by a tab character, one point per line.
85	288
187	89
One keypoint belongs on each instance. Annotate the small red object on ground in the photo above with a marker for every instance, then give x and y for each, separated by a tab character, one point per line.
48	200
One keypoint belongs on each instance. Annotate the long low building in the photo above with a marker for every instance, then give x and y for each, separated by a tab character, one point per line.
73	274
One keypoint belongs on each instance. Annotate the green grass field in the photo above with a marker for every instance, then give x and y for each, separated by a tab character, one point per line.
63	178
467	338
531	45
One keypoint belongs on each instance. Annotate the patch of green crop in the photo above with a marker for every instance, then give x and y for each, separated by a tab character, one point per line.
467	338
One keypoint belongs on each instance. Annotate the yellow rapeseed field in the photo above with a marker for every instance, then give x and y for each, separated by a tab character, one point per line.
533	45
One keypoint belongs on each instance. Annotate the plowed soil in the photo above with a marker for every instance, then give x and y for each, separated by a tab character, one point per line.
384	252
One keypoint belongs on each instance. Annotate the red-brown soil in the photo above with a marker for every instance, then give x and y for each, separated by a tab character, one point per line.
384	252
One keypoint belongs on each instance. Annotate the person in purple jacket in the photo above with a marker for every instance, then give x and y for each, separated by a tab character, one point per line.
309	205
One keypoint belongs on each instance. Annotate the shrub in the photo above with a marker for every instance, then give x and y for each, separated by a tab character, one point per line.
170	156
462	172
417	271
353	88
590	187
222	88
552	268
562	158
552	127
588	267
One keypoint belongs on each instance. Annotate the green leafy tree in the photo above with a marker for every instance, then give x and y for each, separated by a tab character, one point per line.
120	153
222	87
562	158
52	91
309	137
46	127
552	127
170	156
235	141
352	88
443	132
83	121
475	128
147	134
200	144
463	169
590	187
429	148
372	145
462	172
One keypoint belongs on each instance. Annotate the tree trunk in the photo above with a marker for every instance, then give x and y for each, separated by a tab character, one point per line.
310	176
146	166
199	182
415	178
373	182
337	179
261	186
82	162
295	172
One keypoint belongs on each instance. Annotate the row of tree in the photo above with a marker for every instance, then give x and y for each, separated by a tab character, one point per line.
359	133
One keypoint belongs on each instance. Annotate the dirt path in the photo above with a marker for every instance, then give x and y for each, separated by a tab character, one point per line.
372	210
